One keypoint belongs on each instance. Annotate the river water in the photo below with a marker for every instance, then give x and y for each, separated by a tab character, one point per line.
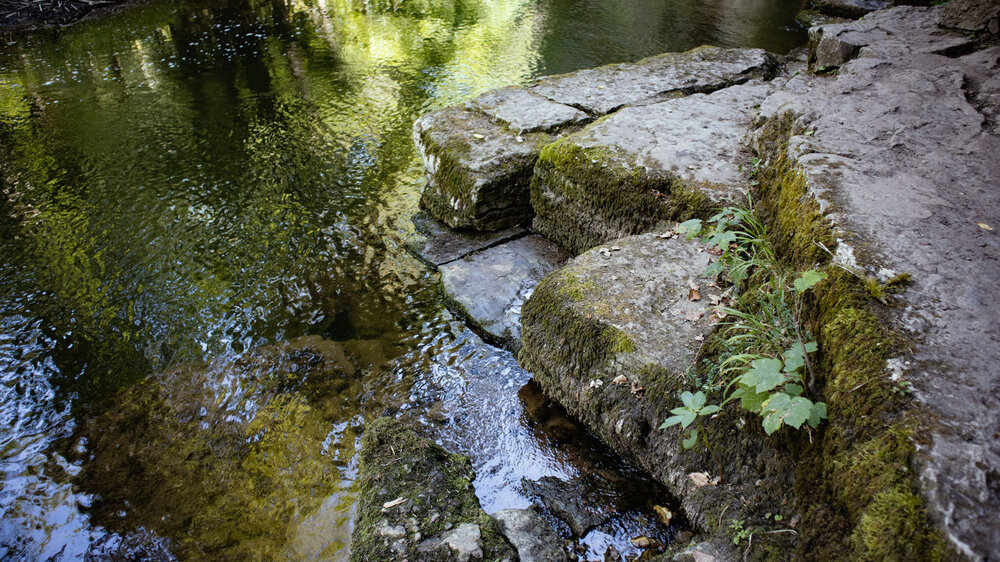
203	291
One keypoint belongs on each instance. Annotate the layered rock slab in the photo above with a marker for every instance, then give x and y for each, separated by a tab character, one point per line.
625	309
531	535
643	165
479	158
900	150
489	287
417	502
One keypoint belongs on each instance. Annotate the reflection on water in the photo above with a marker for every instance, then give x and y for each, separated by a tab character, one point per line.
186	186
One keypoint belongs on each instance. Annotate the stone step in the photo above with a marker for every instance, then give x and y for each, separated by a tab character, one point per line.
642	165
479	158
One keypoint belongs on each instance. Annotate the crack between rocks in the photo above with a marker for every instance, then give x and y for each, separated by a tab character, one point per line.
494	244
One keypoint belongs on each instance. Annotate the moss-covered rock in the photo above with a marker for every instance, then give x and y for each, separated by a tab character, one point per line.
417	502
642	165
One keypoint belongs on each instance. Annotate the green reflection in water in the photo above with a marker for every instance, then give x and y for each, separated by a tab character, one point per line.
194	180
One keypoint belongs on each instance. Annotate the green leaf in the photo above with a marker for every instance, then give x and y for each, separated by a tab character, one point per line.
793	389
790	411
714	269
764	374
771	423
708	410
753	401
671	421
686	415
808	279
794	357
690	227
818	413
721	239
687	398
691	439
697	401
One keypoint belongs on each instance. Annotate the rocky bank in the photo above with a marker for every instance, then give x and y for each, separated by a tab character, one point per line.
873	158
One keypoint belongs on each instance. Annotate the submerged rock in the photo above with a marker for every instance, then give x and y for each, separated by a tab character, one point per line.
417	502
489	287
531	535
643	165
479	158
567	501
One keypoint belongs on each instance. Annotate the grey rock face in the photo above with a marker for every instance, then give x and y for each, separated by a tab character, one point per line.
435	244
567	501
477	171
602	90
642	165
907	167
523	111
534	540
971	15
490	286
465	542
887	34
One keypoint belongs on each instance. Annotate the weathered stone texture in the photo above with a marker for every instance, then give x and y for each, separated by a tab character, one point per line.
531	535
642	165
902	154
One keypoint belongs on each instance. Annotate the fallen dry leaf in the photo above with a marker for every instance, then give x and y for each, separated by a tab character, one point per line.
646	542
985	226
664	514
478	136
620	379
393	503
667	235
637	390
699	337
714	299
694	295
703	479
694	315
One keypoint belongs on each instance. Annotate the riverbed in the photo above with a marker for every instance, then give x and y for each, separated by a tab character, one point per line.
201	198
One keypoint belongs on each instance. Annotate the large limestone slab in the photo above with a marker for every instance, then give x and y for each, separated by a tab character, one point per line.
643	165
435	244
523	111
850	8
488	288
886	34
906	167
605	89
477	170
417	502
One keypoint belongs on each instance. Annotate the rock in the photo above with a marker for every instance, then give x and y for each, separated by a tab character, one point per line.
718	550
479	158
612	554
850	8
531	535
435	244
567	501
888	34
396	463
904	167
524	111
465	542
489	287
643	165
971	15
605	89
477	170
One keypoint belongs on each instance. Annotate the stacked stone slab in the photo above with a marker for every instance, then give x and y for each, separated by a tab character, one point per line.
644	165
479	158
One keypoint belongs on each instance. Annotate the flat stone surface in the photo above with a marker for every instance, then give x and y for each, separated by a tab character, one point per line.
642	165
567	501
887	34
971	15
523	111
489	287
904	157
531	535
478	172
602	90
436	244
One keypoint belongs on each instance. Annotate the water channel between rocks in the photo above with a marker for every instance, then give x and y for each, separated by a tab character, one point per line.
204	291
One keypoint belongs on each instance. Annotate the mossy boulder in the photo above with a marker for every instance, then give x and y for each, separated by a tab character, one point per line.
631	170
416	502
612	336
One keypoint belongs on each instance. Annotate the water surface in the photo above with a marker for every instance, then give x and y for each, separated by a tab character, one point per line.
203	292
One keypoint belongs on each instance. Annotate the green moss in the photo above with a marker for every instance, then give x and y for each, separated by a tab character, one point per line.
860	499
583	196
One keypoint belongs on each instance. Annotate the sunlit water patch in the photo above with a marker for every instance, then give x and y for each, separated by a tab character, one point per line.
203	292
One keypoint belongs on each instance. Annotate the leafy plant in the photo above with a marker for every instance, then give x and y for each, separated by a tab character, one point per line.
739	532
765	363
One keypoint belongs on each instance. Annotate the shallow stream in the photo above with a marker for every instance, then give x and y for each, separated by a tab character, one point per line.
203	287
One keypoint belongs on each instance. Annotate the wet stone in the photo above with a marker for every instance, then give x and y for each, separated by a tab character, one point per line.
567	501
477	171
436	244
850	8
643	165
531	535
406	482
605	89
523	111
489	287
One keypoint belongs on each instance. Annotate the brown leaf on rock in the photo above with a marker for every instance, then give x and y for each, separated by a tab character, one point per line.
694	315
694	295
664	514
620	379
637	390
703	479
646	543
